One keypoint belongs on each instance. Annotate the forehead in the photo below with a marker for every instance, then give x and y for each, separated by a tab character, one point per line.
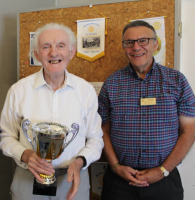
53	36
135	33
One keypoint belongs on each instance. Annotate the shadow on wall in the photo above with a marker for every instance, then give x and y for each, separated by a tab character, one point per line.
8	76
8	55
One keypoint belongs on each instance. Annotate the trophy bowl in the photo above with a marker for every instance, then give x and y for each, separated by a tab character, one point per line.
49	141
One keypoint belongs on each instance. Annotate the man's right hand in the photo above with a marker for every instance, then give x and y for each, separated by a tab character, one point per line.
129	175
36	164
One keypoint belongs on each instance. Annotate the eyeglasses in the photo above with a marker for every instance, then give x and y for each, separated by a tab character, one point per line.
141	42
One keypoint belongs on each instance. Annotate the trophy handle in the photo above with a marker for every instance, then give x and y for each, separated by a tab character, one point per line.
75	126
25	127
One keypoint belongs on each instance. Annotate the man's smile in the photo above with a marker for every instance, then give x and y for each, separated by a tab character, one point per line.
138	55
55	61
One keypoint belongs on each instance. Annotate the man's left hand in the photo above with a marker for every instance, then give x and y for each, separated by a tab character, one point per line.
152	175
74	177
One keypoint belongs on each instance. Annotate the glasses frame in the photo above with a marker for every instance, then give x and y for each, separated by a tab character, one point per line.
138	42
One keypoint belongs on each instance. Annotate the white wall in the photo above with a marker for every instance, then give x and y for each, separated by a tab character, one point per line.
187	168
87	2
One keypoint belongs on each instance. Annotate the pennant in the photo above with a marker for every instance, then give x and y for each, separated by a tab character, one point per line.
91	39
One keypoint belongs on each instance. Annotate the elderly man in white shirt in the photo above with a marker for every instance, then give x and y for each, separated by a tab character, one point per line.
52	95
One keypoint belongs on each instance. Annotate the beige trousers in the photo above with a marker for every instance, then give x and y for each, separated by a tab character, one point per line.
22	186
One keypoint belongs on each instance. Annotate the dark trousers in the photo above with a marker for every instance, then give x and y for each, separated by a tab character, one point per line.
116	188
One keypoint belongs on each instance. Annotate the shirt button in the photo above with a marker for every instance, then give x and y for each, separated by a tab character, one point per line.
144	151
144	114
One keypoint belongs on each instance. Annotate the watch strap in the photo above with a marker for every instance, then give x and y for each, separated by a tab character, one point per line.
84	160
165	172
115	166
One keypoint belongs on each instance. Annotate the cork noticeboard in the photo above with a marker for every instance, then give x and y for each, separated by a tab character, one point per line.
119	15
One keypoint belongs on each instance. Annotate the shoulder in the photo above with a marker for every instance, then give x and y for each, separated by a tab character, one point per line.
80	82
170	73
24	83
83	88
118	75
167	70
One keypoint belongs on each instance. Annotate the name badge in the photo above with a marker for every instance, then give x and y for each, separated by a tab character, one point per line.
148	101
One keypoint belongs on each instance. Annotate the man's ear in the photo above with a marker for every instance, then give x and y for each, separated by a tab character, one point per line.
72	52
37	56
123	46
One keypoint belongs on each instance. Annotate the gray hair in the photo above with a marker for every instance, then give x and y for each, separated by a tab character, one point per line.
35	45
138	23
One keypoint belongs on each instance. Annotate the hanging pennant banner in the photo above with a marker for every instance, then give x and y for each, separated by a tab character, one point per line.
159	25
91	39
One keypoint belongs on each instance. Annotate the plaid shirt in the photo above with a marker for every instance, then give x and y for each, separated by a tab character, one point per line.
143	136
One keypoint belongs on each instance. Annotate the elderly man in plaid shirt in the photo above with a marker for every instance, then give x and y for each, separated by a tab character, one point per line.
148	122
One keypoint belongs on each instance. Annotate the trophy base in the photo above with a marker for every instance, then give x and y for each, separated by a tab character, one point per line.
48	179
46	190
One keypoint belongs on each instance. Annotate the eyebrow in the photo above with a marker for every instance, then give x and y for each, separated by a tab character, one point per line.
47	43
137	39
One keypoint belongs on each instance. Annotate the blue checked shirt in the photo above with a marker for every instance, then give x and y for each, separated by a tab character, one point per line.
143	136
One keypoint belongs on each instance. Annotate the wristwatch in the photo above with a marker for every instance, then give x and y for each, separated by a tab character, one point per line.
165	172
84	160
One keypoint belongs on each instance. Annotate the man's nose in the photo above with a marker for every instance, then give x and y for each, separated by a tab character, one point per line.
53	51
136	46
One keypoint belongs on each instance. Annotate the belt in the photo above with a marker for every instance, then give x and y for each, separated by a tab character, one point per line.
61	172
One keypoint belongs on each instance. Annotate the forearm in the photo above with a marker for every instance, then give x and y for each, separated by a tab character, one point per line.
92	150
93	141
180	150
108	148
183	145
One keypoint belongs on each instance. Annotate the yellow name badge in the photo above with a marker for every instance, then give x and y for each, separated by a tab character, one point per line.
148	101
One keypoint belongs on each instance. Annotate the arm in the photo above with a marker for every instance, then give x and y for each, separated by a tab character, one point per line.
183	145
10	144
74	177
125	172
94	142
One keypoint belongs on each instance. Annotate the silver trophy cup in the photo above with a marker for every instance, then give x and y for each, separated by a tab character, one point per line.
49	141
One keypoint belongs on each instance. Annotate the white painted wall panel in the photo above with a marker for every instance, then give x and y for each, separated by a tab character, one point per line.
187	168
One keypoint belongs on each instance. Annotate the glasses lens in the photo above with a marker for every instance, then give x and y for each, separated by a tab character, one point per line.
143	41
128	43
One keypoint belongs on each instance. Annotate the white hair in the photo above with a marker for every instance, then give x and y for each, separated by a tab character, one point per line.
35	45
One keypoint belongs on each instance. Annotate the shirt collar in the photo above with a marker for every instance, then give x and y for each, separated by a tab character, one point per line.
40	81
69	80
150	72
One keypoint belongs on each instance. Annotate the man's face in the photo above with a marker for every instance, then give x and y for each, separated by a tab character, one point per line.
140	56
54	52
